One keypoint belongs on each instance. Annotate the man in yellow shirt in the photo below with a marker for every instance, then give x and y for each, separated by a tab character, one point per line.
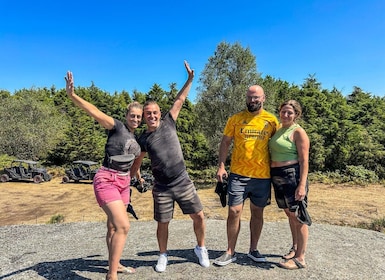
249	130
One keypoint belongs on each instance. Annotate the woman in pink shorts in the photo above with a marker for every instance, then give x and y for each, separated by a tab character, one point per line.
112	181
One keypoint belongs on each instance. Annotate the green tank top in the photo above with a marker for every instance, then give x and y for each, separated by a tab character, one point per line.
281	147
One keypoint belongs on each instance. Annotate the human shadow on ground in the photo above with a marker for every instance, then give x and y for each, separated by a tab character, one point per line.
243	259
65	269
69	269
188	255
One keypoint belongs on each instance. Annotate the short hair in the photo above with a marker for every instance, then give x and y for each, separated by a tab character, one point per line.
149	102
132	105
296	106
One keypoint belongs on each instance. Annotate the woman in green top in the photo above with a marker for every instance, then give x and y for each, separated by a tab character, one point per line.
289	152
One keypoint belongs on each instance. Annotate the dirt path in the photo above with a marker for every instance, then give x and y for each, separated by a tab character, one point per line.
29	203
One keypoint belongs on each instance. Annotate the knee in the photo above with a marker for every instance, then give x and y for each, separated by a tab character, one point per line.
126	228
256	211
287	212
162	227
234	212
292	217
198	217
123	228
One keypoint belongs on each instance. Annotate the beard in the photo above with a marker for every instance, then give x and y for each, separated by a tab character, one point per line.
253	107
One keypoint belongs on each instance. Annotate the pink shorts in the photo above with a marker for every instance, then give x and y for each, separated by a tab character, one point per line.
110	185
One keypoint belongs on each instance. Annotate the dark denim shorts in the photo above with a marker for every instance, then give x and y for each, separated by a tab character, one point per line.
285	181
240	188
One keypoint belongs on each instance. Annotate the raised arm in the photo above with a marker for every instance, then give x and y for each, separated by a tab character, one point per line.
103	119
182	94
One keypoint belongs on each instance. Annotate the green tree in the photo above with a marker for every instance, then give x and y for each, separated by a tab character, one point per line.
277	91
84	139
368	113
4	94
223	84
31	125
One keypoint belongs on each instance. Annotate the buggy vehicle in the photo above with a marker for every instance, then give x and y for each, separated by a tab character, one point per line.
25	170
81	170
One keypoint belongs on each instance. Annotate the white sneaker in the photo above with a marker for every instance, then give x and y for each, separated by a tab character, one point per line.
225	259
202	255
162	263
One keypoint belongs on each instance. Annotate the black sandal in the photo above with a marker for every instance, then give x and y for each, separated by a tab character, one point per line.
290	254
292	263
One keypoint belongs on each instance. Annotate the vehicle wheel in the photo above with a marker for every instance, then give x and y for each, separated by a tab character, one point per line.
37	179
65	179
4	178
48	177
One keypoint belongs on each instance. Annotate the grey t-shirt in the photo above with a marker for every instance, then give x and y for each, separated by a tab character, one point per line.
120	141
165	152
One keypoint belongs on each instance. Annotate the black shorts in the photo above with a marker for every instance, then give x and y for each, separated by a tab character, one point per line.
285	181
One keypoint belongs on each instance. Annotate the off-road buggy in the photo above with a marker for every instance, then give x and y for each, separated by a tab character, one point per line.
81	170
25	170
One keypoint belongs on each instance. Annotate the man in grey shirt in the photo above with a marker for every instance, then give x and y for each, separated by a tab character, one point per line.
171	181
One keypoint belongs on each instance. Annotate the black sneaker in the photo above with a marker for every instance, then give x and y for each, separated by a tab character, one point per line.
225	259
256	256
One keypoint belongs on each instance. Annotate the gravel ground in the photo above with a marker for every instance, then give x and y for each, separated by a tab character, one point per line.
78	251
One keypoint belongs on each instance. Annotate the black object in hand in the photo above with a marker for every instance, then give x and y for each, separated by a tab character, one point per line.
131	210
221	190
147	185
302	214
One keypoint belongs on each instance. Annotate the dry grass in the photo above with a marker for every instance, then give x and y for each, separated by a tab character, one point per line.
29	203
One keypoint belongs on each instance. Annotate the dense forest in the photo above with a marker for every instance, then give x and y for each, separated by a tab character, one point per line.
347	132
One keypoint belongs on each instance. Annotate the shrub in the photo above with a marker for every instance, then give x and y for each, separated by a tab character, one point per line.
360	175
5	160
328	177
56	219
203	179
56	171
376	225
355	174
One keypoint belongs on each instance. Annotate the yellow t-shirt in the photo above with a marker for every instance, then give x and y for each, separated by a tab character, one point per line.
251	133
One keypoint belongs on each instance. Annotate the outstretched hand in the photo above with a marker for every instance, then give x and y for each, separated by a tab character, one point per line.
70	88
189	70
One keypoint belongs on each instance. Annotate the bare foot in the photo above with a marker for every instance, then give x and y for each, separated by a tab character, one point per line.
109	276
126	270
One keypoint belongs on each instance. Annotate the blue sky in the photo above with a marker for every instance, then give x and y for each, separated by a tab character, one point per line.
127	45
